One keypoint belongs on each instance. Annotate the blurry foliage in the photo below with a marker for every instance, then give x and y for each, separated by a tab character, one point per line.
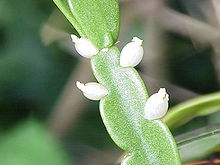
94	135
186	111
30	144
199	144
31	75
89	135
190	66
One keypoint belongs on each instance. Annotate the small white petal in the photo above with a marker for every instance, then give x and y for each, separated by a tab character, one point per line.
84	47
132	53
92	90
157	105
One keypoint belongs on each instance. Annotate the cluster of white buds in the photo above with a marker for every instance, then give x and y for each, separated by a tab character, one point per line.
131	55
92	90
157	105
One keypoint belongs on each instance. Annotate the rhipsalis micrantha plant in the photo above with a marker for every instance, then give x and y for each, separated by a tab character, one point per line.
131	119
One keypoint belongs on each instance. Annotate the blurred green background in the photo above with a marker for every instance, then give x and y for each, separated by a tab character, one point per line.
44	119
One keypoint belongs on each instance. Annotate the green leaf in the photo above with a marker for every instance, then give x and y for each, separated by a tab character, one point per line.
147	142
64	7
97	20
30	144
199	144
188	110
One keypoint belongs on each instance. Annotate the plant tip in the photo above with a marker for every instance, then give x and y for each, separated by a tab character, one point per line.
163	94
74	38
80	85
137	40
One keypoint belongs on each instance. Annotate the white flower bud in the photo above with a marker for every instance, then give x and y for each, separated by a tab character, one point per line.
157	105
92	90
84	47
132	53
